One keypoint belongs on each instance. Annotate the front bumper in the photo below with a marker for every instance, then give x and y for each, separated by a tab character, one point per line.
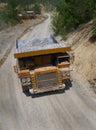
47	89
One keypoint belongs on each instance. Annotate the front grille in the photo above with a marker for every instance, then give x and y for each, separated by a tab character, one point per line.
46	80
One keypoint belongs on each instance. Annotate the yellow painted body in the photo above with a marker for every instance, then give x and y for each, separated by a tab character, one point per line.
35	63
42	52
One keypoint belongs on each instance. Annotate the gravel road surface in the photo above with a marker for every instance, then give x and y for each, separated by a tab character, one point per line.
75	109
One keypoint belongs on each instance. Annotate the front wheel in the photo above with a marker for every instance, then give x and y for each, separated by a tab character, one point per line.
68	84
25	89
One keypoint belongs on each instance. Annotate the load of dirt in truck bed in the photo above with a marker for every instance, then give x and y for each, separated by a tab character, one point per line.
39	46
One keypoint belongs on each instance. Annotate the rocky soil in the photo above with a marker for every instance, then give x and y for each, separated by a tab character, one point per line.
85	52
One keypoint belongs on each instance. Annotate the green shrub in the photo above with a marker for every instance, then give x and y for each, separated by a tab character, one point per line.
72	13
94	25
37	9
9	13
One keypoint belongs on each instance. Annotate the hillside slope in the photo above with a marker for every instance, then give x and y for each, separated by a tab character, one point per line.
85	52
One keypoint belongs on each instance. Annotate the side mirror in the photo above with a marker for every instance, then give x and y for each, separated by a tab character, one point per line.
15	69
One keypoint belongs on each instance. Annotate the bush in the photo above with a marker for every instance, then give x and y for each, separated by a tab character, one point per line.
37	9
57	25
9	13
94	25
70	15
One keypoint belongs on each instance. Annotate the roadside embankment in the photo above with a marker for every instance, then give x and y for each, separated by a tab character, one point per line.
85	52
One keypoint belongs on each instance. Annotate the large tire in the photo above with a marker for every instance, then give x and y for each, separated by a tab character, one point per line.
68	84
25	88
61	91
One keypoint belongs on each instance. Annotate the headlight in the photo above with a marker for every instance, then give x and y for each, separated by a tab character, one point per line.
28	79
23	80
66	73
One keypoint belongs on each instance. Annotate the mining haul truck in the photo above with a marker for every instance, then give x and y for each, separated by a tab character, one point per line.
43	64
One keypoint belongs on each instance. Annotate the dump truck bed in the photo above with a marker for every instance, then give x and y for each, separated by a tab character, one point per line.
39	47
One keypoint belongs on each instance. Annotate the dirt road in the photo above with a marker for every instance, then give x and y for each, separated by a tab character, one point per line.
75	109
41	31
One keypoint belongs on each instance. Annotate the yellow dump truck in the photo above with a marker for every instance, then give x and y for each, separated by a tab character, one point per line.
42	64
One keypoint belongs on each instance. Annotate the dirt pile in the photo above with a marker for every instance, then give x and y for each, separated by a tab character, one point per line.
85	52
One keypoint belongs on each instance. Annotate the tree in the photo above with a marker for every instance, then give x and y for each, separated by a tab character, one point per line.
72	13
37	9
9	13
94	24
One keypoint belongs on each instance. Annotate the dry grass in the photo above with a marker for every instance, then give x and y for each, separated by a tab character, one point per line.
85	52
2	5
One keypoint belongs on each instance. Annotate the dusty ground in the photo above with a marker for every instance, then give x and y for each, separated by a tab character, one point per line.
75	109
85	52
9	36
